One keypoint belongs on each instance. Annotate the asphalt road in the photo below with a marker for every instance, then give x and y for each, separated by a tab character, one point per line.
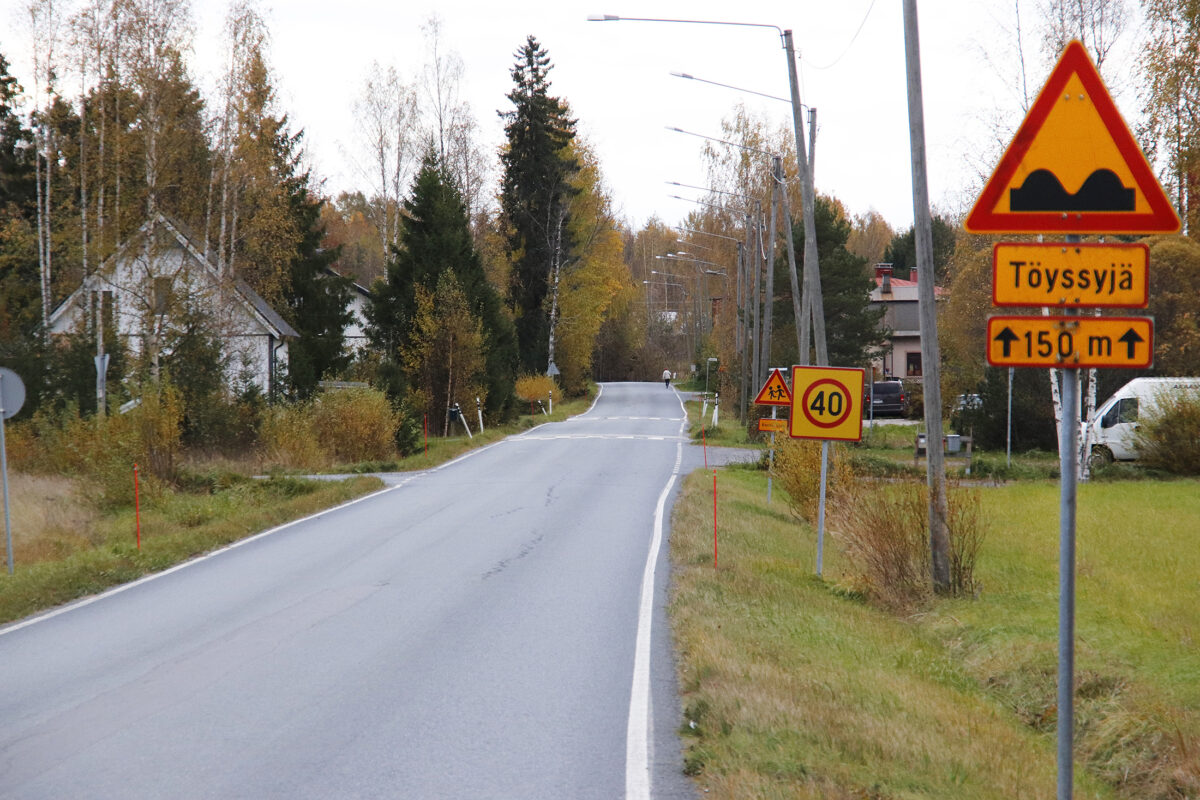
476	631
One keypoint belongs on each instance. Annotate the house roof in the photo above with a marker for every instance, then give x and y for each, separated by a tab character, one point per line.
252	300
902	291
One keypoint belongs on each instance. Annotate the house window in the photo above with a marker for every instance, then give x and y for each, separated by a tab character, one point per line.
912	367
162	295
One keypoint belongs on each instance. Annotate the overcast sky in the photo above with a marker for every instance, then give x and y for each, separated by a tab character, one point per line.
616	76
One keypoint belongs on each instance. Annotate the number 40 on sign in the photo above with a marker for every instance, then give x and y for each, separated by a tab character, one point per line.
826	403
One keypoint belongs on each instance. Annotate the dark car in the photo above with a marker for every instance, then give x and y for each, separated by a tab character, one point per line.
887	398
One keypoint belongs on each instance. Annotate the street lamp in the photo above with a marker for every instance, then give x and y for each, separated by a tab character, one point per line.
727	86
706	233
812	280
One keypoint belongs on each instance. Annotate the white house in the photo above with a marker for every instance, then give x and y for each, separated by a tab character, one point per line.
355	335
147	283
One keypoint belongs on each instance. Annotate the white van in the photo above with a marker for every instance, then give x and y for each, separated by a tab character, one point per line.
1111	433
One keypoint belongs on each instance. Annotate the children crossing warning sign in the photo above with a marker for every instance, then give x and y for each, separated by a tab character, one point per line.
774	392
1073	166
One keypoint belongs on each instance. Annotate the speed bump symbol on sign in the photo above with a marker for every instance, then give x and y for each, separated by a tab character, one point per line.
1073	166
826	403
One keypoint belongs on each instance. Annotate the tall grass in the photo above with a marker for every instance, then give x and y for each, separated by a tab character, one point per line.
798	688
883	528
794	688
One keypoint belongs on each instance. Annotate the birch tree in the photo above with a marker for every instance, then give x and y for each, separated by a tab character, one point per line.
453	127
1170	63
45	21
389	137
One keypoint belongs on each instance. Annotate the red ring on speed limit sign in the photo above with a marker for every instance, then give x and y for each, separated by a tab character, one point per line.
845	393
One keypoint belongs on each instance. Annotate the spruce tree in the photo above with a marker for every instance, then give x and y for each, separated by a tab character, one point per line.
319	299
535	193
435	237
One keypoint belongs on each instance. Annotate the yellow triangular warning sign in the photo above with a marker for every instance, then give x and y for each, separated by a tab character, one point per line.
774	392
1073	166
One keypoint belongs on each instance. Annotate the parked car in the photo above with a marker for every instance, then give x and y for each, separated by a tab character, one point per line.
887	398
1110	436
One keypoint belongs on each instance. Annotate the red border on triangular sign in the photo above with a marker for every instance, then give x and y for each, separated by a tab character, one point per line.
775	377
1160	219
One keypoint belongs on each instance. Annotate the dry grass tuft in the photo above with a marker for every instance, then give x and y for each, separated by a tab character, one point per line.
798	470
50	517
884	530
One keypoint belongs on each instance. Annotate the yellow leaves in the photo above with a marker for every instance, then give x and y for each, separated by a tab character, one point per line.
445	351
589	284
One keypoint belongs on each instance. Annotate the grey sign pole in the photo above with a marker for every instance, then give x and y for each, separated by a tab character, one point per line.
12	397
4	473
1069	456
1008	433
1066	584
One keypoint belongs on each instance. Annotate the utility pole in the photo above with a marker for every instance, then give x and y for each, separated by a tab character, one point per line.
812	275
935	467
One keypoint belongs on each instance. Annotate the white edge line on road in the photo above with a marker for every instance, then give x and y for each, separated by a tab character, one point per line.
637	735
87	601
592	407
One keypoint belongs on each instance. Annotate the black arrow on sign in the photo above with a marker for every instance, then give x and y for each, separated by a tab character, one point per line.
1130	338
1006	337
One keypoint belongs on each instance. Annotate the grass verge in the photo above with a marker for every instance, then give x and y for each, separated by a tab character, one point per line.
795	687
55	568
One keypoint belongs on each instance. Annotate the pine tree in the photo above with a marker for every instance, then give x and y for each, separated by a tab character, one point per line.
851	325
901	252
535	191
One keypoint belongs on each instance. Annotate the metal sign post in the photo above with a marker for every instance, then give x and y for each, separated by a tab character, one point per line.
1066	583
12	397
1072	168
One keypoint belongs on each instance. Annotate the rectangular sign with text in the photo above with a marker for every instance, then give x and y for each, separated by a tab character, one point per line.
1070	342
1079	275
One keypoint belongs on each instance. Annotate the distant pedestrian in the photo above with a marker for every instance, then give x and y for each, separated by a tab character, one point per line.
667	378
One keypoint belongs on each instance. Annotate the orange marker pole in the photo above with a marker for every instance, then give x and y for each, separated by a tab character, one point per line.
137	508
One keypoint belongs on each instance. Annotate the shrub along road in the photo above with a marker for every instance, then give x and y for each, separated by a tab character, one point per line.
472	632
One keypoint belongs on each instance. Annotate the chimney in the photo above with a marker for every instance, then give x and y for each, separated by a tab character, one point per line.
912	274
883	274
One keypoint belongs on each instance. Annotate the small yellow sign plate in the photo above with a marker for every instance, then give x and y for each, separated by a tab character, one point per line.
1090	275
827	403
1070	342
767	425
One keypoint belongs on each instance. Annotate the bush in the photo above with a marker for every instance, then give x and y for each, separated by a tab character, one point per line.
884	527
340	426
104	450
1169	436
355	424
536	387
798	468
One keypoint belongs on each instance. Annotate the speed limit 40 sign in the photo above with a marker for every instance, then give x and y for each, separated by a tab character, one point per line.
826	403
